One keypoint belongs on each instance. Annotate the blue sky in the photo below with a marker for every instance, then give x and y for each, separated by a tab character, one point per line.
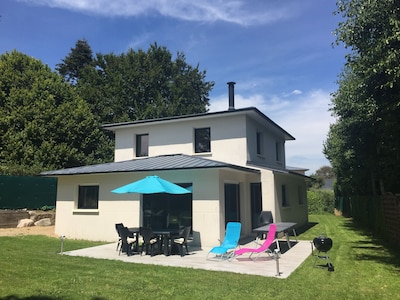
279	52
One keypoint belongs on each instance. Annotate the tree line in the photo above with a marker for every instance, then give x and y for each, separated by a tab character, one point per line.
363	146
52	119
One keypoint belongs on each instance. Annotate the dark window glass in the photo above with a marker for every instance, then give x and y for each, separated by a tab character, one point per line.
202	140
142	145
167	211
259	143
301	195
88	197
284	199
256	203
232	203
278	149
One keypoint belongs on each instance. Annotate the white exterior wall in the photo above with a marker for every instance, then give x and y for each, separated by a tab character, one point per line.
268	192
294	212
207	215
268	145
228	139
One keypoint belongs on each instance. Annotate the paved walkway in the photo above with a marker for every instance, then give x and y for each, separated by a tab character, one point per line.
263	266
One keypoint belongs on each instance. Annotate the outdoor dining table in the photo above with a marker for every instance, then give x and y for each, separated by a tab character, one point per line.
165	237
281	227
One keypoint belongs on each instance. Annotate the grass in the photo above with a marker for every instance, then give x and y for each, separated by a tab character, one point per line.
31	268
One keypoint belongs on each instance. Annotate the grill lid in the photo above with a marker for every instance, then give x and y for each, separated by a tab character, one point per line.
323	243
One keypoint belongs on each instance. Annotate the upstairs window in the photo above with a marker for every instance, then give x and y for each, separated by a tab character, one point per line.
142	145
259	139
88	197
278	151
202	140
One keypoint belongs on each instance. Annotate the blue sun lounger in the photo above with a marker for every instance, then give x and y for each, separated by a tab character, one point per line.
230	242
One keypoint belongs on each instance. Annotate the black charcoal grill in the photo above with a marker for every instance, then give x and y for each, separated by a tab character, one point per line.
322	245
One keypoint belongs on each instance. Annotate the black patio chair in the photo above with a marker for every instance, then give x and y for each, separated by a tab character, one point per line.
150	240
265	218
127	241
182	240
118	227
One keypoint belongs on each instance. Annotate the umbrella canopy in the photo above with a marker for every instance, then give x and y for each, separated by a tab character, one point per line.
151	185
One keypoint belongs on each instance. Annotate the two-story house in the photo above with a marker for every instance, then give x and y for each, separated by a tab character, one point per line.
233	161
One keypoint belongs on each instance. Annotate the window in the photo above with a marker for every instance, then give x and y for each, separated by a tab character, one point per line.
259	144
172	211
232	203
300	192
142	145
278	150
88	197
284	199
255	202
202	140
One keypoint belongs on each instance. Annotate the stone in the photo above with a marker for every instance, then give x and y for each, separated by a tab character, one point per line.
25	223
43	222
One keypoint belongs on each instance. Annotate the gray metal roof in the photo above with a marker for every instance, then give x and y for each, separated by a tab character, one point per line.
162	162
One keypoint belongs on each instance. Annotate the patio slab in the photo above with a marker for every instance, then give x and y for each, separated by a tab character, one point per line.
263	266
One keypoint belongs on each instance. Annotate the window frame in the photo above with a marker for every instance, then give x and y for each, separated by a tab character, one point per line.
142	144
300	195
278	151
285	202
202	138
83	203
259	143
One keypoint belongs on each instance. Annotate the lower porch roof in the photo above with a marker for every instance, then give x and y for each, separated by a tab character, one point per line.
156	163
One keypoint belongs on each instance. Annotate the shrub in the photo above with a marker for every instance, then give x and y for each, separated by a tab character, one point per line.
320	201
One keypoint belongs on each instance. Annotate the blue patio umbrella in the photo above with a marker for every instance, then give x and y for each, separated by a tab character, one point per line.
151	185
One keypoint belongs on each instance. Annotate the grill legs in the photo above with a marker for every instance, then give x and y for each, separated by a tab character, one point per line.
321	255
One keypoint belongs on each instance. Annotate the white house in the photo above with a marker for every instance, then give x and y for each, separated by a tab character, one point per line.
234	162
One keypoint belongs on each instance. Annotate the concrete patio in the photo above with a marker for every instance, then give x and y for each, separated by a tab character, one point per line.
290	259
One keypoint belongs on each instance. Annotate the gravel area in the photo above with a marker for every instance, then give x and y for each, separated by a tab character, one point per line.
32	230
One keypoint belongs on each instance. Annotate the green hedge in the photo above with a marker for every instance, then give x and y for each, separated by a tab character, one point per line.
320	201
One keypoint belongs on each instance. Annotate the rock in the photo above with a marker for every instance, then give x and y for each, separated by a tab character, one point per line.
43	222
10	218
25	223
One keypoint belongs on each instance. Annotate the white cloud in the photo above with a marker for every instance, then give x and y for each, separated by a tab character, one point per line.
304	115
139	40
231	11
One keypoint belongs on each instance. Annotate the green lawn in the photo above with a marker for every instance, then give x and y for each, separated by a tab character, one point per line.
31	268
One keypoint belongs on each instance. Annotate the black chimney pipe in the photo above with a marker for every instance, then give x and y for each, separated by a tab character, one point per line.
231	86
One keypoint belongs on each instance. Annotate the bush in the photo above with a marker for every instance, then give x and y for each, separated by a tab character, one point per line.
320	201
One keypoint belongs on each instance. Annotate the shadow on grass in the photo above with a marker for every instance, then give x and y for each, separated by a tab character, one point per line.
374	248
306	227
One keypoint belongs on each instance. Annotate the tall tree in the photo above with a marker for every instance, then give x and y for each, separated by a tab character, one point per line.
142	85
73	64
363	146
44	124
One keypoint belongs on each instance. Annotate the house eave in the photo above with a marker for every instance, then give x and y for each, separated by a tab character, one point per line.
279	171
154	164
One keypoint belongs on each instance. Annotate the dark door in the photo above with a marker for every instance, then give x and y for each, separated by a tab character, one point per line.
232	203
